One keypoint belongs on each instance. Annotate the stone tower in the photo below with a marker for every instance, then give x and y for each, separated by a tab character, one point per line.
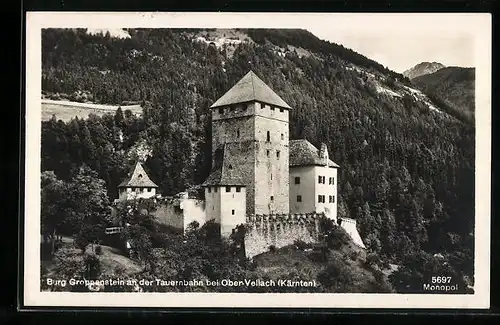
250	144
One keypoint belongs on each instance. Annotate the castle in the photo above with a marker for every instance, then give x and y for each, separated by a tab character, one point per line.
276	186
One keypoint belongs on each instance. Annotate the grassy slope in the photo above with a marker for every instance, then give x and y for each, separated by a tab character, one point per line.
111	258
65	111
289	259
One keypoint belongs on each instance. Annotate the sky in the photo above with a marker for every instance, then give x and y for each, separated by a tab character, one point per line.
400	51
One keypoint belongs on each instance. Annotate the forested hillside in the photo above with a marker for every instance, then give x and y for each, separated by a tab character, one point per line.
453	86
406	170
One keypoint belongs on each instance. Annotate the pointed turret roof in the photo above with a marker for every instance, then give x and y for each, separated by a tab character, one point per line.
138	178
250	88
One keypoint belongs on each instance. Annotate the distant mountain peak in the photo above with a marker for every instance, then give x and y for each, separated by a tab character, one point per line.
423	68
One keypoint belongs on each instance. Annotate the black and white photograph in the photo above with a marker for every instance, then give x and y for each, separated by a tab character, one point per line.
306	160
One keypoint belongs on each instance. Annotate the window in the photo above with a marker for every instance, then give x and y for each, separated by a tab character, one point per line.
215	189
149	189
228	188
321	199
232	212
321	179
271	176
268	152
333	198
209	189
330	199
238	189
268	136
261	105
230	166
278	154
221	111
272	108
299	198
333	180
297	180
238	133
281	110
282	136
272	198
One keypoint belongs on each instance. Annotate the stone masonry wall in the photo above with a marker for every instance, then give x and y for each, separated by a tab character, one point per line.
279	230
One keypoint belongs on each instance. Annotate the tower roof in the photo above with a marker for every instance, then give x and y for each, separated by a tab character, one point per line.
138	178
250	88
304	153
227	168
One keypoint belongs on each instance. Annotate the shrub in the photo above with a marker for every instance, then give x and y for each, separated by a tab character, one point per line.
354	255
272	248
81	242
301	245
92	266
337	237
98	250
373	259
337	277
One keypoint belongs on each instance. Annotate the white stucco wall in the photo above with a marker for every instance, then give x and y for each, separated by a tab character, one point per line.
193	210
230	202
128	193
349	226
306	189
309	188
212	203
327	190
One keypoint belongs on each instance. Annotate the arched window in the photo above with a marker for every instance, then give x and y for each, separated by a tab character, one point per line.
268	136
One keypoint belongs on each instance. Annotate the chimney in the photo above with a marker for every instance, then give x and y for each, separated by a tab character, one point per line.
323	153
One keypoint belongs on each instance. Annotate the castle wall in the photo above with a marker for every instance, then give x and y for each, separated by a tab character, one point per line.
271	165
306	189
227	130
279	231
179	213
239	161
233	208
193	210
212	198
273	112
129	193
327	190
170	214
349	226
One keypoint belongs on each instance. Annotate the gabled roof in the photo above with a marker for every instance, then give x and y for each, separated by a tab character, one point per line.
304	153
138	178
224	173
250	88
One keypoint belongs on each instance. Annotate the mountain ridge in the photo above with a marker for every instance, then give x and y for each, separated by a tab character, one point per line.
423	68
453	86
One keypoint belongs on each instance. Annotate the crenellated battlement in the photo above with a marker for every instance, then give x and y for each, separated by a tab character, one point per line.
347	220
278	230
284	218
